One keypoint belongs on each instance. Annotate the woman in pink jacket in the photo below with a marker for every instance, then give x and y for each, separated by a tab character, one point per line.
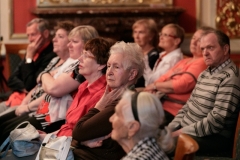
178	83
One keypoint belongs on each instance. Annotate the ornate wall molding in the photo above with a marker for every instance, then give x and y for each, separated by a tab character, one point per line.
85	3
228	17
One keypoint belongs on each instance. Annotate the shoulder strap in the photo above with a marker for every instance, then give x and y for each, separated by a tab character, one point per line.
195	79
166	98
52	64
46	139
5	143
21	124
65	151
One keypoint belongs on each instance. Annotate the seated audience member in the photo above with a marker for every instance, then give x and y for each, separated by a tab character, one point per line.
61	94
92	65
124	67
54	68
179	81
46	114
39	54
136	128
170	40
210	114
145	34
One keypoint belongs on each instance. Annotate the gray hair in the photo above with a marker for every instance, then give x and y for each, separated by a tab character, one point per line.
133	56
151	117
42	24
86	32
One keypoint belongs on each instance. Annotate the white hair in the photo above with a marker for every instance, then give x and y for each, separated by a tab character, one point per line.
151	116
133	56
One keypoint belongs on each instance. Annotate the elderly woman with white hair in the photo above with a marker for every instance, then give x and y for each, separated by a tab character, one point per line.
125	65
136	127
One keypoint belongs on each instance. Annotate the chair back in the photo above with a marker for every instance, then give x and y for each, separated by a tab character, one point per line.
186	148
14	56
236	146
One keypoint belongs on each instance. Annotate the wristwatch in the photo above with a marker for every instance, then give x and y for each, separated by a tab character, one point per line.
29	60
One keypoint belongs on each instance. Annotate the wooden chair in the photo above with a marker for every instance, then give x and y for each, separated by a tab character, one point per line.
15	53
236	147
186	148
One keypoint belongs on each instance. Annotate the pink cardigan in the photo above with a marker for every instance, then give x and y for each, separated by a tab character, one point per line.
182	84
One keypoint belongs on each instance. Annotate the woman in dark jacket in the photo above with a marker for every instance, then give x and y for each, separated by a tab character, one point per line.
91	138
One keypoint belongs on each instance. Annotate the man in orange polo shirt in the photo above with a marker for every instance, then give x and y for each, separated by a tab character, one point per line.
39	54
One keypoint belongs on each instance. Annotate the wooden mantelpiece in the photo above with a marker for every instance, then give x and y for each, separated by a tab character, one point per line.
107	10
114	22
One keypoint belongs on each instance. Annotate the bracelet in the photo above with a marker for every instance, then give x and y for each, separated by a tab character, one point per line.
28	108
154	86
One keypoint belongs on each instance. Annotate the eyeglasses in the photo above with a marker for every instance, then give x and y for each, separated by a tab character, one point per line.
167	35
85	55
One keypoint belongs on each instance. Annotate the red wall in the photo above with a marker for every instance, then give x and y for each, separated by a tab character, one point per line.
22	14
188	19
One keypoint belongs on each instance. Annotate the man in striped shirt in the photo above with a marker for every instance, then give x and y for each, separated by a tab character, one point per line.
211	113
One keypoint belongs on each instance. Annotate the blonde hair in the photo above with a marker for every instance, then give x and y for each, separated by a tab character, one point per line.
86	32
180	33
151	26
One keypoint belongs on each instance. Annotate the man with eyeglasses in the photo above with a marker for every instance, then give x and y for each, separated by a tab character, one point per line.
39	54
170	40
211	113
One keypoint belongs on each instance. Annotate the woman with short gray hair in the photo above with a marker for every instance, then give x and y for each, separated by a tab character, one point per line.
125	65
136	127
132	60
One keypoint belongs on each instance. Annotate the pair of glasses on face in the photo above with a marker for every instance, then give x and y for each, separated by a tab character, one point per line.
86	55
167	35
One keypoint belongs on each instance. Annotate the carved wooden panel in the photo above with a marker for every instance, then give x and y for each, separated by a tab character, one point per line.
111	22
228	17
